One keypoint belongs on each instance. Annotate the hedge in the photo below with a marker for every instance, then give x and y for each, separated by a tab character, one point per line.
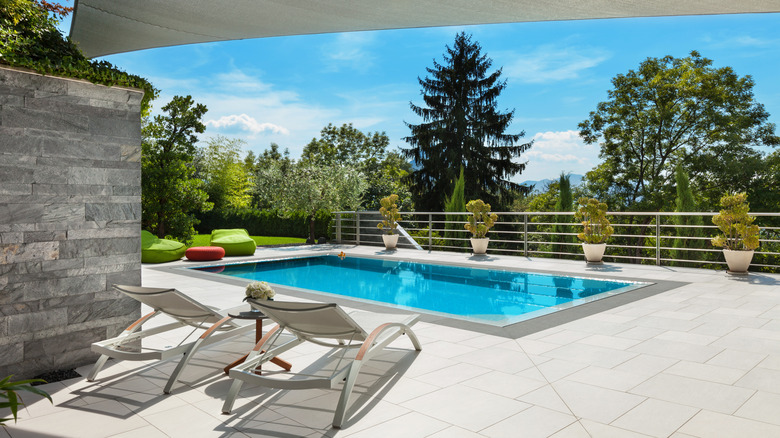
265	222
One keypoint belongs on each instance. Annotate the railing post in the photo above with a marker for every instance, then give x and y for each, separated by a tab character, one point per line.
430	232
357	228
658	239
338	227
525	234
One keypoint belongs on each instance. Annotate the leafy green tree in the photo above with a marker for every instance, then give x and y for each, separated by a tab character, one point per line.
685	202
461	125
310	188
669	112
270	157
170	194
367	153
456	204
564	202
227	180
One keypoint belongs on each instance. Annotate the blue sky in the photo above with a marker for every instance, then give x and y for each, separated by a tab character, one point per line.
286	89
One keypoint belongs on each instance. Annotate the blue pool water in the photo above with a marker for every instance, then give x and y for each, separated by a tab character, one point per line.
489	296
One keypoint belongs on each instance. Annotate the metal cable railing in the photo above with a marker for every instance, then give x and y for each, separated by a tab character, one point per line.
640	237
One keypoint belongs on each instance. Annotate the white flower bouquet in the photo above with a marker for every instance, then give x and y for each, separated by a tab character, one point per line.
259	290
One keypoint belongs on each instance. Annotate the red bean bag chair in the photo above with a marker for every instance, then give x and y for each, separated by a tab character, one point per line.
204	253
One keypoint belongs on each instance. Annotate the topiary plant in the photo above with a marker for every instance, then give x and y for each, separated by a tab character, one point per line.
596	226
389	212
739	233
481	220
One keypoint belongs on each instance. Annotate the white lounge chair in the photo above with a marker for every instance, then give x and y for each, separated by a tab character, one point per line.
185	311
323	324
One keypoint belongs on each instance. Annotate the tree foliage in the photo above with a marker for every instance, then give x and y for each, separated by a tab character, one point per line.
367	153
226	177
29	38
455	204
670	112
688	226
309	188
461	125
170	193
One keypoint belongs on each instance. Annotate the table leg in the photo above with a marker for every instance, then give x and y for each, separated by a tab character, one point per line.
259	335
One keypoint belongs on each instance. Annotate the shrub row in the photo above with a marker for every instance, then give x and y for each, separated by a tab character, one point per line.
265	222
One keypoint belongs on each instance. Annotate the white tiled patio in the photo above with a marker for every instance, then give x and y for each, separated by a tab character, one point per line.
699	360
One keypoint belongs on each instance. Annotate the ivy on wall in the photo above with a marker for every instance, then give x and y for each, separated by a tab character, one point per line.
29	38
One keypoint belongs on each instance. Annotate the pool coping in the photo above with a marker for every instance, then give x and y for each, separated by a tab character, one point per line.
511	331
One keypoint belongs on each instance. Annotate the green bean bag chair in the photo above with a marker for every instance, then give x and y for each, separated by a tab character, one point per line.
156	250
235	242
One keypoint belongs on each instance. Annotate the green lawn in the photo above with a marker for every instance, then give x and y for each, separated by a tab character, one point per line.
203	240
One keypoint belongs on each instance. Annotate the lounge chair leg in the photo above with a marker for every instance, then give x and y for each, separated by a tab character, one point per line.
346	392
98	366
231	396
180	367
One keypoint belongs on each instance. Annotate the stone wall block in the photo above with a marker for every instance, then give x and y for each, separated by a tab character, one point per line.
11	237
71	190
44	236
16	117
20	213
15	174
60	287
20	252
112	211
100	92
14	141
79	151
116	128
104	233
31	82
12	353
49	174
101	310
126	190
59	213
127	177
99	247
37	321
87	175
131	153
16	189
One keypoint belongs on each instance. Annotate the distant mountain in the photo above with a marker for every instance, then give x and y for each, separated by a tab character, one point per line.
541	185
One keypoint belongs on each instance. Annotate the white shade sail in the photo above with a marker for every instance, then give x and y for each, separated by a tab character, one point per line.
103	27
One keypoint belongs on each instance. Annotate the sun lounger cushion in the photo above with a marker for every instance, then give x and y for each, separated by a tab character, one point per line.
156	250
235	242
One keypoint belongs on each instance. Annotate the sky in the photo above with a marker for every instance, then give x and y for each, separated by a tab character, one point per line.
286	89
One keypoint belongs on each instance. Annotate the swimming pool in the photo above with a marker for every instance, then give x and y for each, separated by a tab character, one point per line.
496	297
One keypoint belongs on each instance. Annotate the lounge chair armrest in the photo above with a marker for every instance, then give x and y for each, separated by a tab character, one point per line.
215	326
374	336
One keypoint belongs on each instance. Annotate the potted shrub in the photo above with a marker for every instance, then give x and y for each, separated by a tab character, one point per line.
389	212
480	222
596	228
740	236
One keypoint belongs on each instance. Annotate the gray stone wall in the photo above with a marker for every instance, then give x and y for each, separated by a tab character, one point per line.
70	218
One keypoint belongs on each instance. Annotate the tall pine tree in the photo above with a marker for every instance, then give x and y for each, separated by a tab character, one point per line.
461	126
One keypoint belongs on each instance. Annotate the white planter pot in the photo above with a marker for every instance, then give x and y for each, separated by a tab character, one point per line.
479	245
738	261
391	240
594	252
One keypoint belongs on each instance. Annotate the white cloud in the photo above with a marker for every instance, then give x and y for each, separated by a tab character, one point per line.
349	50
554	152
550	63
246	123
